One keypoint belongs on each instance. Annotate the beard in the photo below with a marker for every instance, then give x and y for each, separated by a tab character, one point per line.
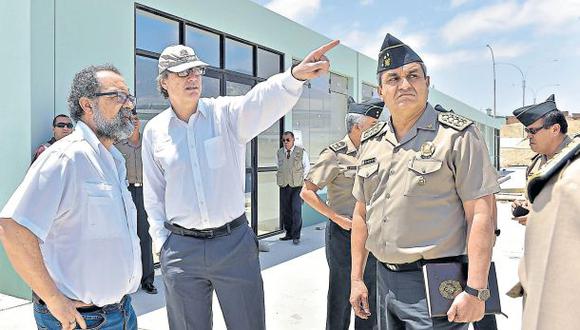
116	129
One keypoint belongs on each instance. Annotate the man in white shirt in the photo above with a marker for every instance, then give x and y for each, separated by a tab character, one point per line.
70	228
293	166
193	173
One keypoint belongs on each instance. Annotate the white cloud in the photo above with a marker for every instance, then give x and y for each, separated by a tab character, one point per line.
544	16
296	10
510	50
457	3
369	43
439	61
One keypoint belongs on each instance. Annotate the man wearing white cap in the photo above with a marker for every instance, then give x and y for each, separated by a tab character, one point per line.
193	172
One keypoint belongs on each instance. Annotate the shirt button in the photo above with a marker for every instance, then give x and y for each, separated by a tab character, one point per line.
391	172
388	195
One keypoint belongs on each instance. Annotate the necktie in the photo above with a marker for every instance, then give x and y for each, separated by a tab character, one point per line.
287	154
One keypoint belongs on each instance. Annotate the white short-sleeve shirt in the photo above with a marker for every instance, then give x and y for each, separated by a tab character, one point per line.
74	198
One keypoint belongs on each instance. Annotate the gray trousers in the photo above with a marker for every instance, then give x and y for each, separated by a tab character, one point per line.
403	304
193	268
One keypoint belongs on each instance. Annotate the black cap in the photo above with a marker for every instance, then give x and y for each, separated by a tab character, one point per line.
394	54
529	114
371	108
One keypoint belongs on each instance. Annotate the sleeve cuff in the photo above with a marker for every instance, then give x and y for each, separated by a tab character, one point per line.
30	225
289	82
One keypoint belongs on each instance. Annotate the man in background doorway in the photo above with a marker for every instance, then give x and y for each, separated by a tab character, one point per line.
61	127
293	166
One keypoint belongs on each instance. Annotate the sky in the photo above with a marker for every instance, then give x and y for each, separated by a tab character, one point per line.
540	37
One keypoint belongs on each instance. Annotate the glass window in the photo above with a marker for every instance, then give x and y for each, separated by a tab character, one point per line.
205	44
268	63
268	144
154	32
369	92
149	99
268	203
235	89
210	86
239	57
338	83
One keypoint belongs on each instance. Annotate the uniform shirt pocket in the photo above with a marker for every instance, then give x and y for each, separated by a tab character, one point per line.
370	179
215	152
422	177
103	219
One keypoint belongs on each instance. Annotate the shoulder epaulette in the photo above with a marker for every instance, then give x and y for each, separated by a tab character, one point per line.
373	130
454	120
337	146
537	181
440	108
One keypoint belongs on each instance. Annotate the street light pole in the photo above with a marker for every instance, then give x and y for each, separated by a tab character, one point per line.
523	80
494	81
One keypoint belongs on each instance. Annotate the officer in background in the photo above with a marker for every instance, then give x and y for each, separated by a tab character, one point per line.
546	129
548	270
131	150
424	185
293	165
335	169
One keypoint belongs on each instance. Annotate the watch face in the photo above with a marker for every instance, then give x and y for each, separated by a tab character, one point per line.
483	294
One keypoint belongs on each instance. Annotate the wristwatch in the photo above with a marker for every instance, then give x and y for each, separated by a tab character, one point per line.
482	294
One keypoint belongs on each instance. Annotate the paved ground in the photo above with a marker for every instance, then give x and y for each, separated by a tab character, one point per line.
295	280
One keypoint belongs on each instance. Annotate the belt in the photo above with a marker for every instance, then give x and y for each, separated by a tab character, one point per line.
210	232
136	184
88	309
418	265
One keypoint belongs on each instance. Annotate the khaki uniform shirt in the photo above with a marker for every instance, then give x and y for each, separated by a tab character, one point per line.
538	161
414	193
550	271
132	155
337	169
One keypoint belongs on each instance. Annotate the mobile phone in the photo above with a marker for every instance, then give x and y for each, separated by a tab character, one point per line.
520	211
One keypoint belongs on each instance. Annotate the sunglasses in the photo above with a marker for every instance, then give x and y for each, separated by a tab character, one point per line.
197	71
120	97
286	140
533	130
63	125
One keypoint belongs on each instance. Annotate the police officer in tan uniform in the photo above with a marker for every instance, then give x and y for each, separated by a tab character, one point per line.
549	271
424	190
293	165
336	169
546	129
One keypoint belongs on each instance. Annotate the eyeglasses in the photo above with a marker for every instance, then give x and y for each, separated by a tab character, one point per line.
533	130
121	97
286	140
411	78
197	71
63	125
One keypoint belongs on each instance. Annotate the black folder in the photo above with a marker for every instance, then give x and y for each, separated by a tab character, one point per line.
444	281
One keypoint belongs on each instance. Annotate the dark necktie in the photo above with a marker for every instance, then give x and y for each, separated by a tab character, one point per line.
287	154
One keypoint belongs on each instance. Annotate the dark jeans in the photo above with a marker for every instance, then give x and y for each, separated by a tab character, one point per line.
291	209
338	309
143	233
119	317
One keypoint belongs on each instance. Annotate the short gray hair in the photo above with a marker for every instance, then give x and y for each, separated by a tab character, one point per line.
161	76
352	119
85	84
423	66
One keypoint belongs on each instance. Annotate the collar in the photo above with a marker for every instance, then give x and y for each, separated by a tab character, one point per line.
84	132
428	119
350	148
201	108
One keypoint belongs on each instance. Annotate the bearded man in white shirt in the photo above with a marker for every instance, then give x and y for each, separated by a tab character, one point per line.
70	229
193	173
